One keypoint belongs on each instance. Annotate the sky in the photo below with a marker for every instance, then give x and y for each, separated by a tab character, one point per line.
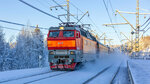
15	11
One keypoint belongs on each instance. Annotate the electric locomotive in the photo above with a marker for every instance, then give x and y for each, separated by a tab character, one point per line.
70	44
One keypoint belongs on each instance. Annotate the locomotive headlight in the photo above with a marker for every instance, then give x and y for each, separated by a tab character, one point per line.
51	52
72	52
61	28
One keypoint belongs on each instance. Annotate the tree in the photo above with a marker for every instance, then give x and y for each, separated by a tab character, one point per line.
27	52
39	48
30	50
2	43
4	53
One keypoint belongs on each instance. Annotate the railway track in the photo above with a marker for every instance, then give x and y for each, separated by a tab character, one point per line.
116	74
36	75
104	70
90	79
46	77
25	77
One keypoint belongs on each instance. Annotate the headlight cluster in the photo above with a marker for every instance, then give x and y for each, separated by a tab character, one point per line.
51	52
72	52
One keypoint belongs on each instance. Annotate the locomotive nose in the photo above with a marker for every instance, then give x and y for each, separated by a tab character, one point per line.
62	56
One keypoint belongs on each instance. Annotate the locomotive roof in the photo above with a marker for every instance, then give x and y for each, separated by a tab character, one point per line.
65	28
103	44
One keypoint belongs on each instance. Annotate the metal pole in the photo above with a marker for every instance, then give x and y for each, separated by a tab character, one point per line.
104	40
131	40
137	29
68	12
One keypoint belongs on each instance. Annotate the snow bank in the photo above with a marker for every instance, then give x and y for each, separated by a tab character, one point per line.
140	71
15	74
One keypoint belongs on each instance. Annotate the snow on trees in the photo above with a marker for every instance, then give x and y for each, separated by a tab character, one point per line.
5	58
30	49
1	49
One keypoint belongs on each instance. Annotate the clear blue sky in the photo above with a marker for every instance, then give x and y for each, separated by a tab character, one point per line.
13	10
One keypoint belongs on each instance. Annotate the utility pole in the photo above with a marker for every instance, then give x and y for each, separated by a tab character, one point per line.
134	30
61	6
137	29
125	36
68	12
106	40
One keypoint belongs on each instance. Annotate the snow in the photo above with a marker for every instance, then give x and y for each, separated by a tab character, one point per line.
76	77
34	78
28	51
140	71
79	76
89	70
122	76
15	74
107	76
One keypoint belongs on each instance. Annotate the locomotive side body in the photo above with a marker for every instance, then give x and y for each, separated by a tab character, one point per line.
89	49
103	48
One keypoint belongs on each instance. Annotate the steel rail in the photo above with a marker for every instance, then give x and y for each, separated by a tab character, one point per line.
129	73
90	79
24	77
45	78
116	73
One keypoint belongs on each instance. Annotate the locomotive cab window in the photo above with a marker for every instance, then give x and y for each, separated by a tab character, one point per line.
68	33
54	34
83	33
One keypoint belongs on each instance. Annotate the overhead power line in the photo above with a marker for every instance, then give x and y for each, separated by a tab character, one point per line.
13	29
40	10
146	26
10	28
146	31
14	23
111	20
88	16
66	11
145	22
111	6
76	7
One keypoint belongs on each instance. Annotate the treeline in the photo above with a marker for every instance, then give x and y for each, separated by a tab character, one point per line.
28	51
145	42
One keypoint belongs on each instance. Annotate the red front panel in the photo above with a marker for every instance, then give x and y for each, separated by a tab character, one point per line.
61	42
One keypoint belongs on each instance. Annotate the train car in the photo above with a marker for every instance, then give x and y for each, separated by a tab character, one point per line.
70	45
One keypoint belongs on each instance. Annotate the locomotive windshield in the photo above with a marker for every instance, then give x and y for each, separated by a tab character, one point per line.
65	33
68	33
54	34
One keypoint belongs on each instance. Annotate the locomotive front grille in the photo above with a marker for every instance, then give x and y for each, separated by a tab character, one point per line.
61	56
61	52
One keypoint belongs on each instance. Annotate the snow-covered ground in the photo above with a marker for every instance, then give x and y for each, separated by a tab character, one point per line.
79	76
122	76
140	70
15	74
107	76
